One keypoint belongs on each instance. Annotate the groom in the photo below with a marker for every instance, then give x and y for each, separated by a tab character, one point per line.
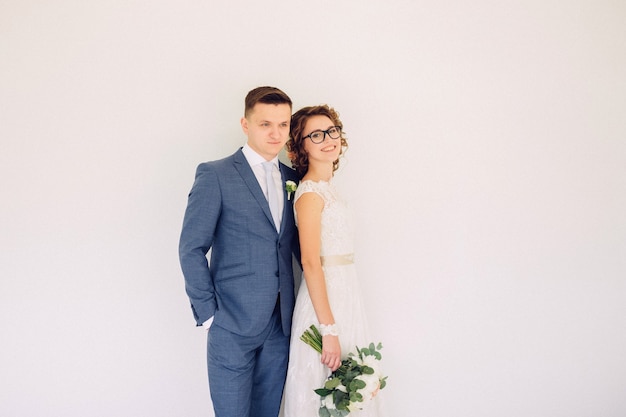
238	208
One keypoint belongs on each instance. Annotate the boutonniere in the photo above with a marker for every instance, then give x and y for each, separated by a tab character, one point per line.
290	186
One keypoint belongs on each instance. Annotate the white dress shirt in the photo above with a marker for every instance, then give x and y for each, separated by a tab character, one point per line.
256	163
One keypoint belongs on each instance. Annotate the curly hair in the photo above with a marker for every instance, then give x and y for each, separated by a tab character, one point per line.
295	144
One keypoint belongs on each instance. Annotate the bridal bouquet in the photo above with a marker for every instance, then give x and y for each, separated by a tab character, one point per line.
353	384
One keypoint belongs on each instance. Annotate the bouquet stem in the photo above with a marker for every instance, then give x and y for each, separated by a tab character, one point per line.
313	338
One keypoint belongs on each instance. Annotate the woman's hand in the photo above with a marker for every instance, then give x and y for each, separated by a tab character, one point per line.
331	352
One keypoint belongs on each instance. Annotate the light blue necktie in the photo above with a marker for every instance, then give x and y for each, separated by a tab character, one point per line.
272	195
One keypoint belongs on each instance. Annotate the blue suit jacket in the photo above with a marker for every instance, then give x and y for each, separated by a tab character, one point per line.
250	262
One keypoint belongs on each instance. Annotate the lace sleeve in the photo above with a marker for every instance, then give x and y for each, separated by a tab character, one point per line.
306	187
309	187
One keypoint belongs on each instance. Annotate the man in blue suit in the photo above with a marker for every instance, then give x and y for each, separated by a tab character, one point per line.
239	209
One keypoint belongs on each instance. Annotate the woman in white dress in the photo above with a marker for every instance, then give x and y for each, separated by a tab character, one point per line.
329	297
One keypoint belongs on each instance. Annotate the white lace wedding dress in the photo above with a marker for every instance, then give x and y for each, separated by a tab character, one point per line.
306	372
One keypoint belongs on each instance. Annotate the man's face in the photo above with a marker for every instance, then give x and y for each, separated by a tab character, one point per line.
267	128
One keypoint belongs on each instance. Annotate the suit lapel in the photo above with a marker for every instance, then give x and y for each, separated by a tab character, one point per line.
244	169
287	203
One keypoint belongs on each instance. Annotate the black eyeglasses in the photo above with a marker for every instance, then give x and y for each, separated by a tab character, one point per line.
318	136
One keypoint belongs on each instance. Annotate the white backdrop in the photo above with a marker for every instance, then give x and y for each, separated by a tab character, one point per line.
486	167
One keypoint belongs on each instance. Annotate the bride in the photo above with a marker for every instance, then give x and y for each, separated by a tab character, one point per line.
330	297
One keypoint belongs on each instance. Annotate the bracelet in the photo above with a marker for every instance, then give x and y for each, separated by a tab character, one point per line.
328	330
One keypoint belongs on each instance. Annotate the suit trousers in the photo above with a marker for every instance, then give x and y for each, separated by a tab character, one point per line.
247	373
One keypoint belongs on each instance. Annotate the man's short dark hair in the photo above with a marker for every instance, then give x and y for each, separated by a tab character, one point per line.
266	95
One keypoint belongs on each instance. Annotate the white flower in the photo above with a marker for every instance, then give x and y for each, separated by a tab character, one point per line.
352	407
372	383
290	186
328	402
368	360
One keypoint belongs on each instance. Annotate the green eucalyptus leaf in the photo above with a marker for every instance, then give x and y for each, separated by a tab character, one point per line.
322	392
356	397
332	383
356	384
343	405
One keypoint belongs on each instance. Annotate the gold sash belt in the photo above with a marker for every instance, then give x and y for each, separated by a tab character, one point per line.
336	260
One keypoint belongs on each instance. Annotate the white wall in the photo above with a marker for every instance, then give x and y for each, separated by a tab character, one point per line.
487	169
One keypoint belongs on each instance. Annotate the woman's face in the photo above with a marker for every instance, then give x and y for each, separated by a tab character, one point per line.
326	151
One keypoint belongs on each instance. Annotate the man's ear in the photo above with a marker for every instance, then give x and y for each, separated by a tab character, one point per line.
244	125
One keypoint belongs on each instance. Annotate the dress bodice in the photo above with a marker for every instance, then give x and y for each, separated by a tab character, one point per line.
337	225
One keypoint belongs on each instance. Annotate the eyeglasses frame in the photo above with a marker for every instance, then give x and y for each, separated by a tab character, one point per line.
325	132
